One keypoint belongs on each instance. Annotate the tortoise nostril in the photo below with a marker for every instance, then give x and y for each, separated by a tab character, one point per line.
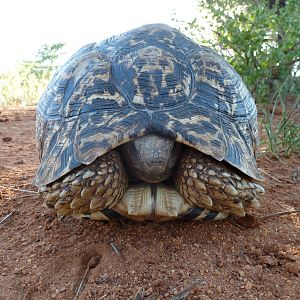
156	161
155	155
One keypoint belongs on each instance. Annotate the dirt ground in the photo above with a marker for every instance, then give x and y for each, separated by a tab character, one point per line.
42	257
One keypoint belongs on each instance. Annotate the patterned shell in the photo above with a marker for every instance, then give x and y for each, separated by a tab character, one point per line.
150	79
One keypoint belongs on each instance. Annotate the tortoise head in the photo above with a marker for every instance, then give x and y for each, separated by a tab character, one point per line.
151	158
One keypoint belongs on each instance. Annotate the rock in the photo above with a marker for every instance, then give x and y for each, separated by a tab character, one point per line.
149	291
18	271
248	286
268	260
102	279
220	263
7	139
19	162
248	221
293	267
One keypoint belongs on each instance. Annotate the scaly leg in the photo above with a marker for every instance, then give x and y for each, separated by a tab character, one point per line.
87	190
214	185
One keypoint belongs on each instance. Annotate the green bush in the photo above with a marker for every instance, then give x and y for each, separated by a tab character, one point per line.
281	122
260	39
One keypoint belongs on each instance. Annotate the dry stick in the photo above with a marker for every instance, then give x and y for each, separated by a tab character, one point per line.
6	217
258	218
25	196
115	248
93	262
140	294
18	190
290	181
236	224
82	282
270	175
286	180
280	213
184	293
19	196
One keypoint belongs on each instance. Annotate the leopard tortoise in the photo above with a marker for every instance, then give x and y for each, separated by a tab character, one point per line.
148	125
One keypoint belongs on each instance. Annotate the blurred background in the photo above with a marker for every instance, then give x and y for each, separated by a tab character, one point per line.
261	39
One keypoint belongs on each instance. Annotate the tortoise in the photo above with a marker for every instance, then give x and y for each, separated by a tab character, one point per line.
148	125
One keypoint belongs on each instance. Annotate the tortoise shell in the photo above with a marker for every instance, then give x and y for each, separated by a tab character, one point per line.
150	79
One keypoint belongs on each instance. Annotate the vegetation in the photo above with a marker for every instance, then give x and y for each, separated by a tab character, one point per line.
25	85
282	133
261	41
260	38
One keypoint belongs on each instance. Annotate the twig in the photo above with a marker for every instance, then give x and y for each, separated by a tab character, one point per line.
25	196
6	217
115	248
289	181
236	224
82	283
248	221
18	190
93	262
270	175
295	175
280	213
185	292
20	196
140	294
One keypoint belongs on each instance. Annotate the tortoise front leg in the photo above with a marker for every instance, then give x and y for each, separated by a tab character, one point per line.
89	190
214	185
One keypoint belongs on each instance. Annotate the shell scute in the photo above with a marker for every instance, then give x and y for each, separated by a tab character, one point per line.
150	79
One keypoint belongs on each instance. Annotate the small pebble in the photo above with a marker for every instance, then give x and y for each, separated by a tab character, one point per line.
248	286
268	260
4	119
7	139
293	267
19	162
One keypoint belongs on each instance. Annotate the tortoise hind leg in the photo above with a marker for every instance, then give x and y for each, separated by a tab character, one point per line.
214	185
89	190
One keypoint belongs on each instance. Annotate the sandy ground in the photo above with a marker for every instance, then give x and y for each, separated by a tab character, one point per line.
42	257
